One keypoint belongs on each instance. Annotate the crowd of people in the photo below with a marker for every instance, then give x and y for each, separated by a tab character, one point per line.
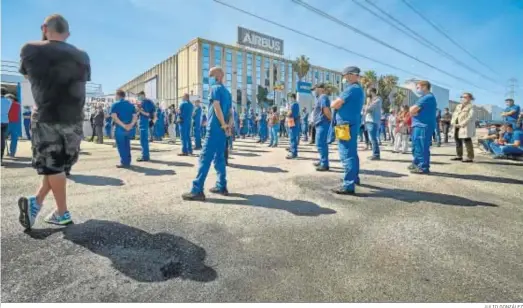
56	127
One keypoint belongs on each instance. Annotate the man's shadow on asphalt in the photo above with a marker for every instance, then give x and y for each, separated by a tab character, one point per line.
417	196
478	177
150	171
171	163
296	207
95	180
382	173
410	161
257	168
137	254
236	153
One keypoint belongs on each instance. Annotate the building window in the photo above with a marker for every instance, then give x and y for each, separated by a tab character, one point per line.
258	70
327	76
228	66
218	55
289	78
205	65
249	68
205	95
267	74
239	68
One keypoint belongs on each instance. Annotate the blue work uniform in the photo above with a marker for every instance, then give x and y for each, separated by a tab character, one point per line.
143	122
236	123
204	125
305	126
350	114
159	125
197	127
322	124
251	119
27	123
332	135
214	145
108	126
510	149
245	125
263	127
125	111
512	119
423	124
186	110
294	132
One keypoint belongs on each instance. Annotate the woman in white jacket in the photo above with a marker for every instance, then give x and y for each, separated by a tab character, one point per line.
464	128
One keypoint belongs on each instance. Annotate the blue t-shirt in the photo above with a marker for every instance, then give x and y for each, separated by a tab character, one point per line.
426	116
507	137
514	117
263	119
322	102
6	105
186	110
295	110
219	93
125	111
147	106
518	135
350	112
197	116
27	114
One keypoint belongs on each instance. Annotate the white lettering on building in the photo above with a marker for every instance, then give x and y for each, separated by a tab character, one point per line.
263	42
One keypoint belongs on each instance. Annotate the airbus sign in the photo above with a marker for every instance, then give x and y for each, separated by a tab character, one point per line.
260	41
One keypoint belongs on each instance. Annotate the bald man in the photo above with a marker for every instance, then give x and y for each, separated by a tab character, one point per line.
219	126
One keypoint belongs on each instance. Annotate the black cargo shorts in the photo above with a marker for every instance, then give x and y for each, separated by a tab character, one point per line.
55	146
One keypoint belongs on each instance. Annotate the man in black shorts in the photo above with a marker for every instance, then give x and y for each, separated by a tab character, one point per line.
58	73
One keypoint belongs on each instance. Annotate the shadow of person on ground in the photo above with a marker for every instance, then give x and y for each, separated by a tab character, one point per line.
243	149
171	163
11	164
499	163
137	254
95	180
382	173
406	161
296	207
317	158
150	171
417	196
257	168
478	177
236	153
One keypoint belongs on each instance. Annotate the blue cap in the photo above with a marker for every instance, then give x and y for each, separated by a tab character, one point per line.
351	70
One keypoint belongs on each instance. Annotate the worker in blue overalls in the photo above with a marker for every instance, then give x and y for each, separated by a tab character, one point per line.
146	111
322	120
218	127
348	120
423	124
124	115
293	121
305	124
186	111
27	121
159	125
204	123
197	120
263	126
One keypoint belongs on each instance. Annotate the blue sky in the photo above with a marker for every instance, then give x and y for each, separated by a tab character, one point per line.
126	37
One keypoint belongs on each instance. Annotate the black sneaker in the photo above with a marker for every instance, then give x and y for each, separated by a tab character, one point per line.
456	158
467	160
140	159
374	158
122	166
322	169
193	197
183	154
216	190
198	148
341	191
291	157
67	173
412	167
316	164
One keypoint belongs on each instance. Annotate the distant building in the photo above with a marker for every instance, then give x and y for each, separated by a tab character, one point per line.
480	112
495	112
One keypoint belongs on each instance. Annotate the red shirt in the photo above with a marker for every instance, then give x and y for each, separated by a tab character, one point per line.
14	112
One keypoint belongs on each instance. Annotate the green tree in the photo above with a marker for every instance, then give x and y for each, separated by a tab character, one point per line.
369	79
399	97
261	95
301	66
332	89
386	85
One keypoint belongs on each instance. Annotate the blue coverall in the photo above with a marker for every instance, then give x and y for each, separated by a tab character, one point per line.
125	111
294	132
197	128
148	107
27	123
186	111
214	146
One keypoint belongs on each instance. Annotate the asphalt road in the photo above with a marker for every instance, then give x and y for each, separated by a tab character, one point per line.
455	235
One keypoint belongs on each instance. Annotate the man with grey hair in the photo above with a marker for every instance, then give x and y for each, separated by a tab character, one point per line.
58	72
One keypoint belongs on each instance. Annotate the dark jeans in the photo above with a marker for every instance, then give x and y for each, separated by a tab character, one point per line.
93	134
446	128
312	129
459	145
4	137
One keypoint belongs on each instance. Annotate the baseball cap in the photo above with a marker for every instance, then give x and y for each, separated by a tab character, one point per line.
354	70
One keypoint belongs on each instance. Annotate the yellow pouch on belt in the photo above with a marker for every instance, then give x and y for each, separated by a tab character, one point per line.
290	122
342	132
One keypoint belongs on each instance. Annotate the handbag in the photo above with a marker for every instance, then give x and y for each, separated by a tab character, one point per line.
342	132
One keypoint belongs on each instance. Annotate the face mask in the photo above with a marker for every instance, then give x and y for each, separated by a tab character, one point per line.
344	81
141	98
420	92
212	80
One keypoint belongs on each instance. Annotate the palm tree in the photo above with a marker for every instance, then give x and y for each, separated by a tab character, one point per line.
399	97
301	66
369	79
386	84
332	89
